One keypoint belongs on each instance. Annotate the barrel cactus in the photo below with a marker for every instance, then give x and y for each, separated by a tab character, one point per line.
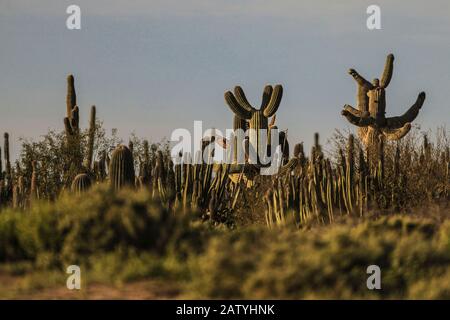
370	116
81	183
121	168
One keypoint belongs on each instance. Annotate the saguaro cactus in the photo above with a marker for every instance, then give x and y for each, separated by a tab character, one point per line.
8	173
72	120
74	160
257	118
121	168
91	137
371	108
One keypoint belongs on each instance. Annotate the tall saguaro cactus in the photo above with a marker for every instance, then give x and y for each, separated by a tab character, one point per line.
8	173
72	119
74	161
91	137
370	114
257	118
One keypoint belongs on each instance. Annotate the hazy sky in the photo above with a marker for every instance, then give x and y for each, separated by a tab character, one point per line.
156	65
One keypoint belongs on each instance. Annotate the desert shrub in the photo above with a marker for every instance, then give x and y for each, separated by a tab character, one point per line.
75	228
9	241
327	262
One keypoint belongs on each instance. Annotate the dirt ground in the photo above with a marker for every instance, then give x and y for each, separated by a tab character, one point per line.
10	288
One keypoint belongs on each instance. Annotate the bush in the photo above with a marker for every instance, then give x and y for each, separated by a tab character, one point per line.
327	262
77	227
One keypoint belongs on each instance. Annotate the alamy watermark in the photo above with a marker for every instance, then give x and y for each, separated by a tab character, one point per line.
74	280
73	21
261	147
374	280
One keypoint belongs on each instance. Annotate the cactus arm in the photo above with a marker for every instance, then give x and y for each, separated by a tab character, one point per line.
360	79
363	87
357	120
396	134
408	116
236	107
352	110
388	70
71	98
242	99
274	102
267	94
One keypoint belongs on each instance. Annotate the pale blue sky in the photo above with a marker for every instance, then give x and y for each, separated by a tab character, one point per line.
153	66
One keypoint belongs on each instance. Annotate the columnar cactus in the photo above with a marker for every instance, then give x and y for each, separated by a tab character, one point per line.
371	108
34	195
238	124
121	168
257	118
72	120
8	174
74	161
81	183
91	137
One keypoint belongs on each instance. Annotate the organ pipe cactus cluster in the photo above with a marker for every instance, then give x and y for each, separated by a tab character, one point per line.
370	114
318	191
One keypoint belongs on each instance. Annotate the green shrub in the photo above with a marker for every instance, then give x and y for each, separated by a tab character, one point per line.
327	262
77	227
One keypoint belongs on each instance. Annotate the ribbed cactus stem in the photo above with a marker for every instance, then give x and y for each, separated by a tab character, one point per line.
71	121
238	139
350	158
7	157
34	182
121	168
81	183
91	137
71	99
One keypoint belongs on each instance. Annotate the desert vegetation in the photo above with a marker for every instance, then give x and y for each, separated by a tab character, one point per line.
221	230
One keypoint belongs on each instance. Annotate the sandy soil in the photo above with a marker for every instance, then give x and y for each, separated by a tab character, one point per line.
141	290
